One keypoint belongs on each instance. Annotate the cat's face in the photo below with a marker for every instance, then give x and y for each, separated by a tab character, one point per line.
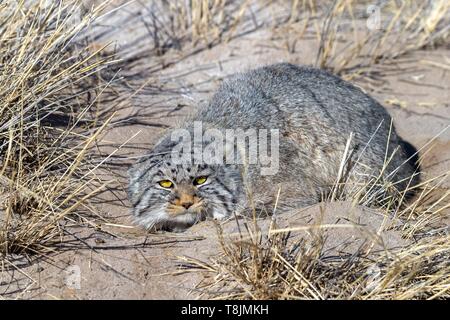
174	196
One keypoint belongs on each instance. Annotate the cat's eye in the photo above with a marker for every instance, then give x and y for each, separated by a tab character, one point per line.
200	180
166	184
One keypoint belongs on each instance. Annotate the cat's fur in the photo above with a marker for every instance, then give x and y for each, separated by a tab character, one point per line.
315	113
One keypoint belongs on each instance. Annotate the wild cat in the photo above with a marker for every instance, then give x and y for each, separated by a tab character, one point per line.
310	119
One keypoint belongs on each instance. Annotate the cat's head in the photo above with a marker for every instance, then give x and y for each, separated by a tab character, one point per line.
174	195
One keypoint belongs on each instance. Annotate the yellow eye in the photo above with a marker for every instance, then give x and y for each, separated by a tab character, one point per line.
166	184
200	180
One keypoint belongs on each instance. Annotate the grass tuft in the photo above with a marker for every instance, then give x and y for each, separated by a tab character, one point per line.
48	91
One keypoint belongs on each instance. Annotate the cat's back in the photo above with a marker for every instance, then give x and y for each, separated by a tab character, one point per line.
272	95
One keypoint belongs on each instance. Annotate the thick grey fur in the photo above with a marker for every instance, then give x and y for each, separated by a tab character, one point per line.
315	113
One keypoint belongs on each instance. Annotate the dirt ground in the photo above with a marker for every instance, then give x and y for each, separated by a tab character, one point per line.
123	262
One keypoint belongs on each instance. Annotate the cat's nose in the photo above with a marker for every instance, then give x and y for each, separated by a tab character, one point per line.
187	204
185	197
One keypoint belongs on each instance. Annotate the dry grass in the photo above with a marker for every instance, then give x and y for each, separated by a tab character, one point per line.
48	87
355	38
268	266
403	27
201	22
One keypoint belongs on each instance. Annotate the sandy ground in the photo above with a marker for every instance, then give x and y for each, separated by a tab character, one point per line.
125	262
